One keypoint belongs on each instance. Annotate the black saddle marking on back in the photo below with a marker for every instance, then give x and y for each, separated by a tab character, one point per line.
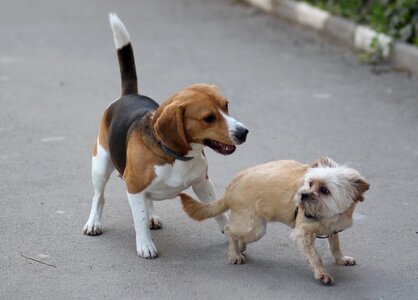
123	116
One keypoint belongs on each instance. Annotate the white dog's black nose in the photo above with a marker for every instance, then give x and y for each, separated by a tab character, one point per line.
304	196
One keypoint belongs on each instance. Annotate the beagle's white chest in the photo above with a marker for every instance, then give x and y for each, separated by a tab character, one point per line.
173	179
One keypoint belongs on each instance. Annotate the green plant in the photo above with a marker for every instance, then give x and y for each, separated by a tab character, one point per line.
375	56
397	18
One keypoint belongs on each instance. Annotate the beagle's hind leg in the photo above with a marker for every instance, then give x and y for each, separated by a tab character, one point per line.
102	168
154	220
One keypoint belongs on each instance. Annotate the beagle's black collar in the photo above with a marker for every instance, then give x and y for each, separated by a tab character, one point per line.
173	154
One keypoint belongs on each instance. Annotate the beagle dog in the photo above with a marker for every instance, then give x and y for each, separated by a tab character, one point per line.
157	149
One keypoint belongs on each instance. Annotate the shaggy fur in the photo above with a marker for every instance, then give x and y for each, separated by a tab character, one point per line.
316	200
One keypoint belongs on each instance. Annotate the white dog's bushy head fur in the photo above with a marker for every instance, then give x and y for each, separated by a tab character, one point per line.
329	189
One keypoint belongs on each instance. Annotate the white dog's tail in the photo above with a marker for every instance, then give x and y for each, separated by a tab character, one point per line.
125	56
200	211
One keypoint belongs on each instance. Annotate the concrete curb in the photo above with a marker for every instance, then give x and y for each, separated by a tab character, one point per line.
405	57
350	34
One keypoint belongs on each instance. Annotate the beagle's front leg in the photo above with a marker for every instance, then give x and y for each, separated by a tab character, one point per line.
144	244
205	192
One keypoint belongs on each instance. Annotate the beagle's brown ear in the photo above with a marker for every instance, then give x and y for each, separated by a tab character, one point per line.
324	162
361	186
169	127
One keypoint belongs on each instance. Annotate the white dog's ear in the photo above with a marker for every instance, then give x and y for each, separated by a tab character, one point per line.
361	186
324	162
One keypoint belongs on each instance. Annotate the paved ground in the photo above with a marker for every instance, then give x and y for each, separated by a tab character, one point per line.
300	97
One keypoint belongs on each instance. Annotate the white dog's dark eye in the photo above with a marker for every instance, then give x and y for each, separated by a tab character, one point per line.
209	119
310	184
324	190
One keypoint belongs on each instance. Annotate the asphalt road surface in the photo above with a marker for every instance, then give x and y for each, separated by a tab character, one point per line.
300	96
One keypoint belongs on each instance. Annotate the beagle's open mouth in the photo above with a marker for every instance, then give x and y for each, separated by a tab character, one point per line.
220	147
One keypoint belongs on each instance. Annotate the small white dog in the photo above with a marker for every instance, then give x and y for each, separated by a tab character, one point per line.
316	200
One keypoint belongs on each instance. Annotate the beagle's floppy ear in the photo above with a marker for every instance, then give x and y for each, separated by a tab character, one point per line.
361	186
324	162
169	127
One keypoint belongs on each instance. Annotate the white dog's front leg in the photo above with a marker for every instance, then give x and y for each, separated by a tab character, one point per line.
205	192
144	244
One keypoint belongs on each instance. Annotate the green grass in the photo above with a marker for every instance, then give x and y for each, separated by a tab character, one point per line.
397	18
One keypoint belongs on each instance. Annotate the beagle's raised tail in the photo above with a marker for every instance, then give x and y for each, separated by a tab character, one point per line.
126	58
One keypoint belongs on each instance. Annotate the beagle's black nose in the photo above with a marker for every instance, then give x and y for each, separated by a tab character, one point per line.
241	134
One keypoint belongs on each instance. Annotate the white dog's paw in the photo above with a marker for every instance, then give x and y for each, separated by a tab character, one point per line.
92	228
346	261
237	259
146	249
155	222
325	278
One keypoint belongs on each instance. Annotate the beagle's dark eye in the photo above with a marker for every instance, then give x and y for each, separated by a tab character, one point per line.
226	106
323	190
209	119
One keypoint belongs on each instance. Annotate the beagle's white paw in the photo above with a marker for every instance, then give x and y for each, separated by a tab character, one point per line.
92	228
146	249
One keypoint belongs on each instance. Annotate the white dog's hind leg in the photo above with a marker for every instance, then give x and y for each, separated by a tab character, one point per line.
235	254
102	167
154	219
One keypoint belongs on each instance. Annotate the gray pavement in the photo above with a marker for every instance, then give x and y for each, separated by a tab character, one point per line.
300	96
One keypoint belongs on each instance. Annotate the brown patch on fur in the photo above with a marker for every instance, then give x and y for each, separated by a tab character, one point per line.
324	161
140	161
102	136
151	141
143	154
169	128
180	120
103	132
362	186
